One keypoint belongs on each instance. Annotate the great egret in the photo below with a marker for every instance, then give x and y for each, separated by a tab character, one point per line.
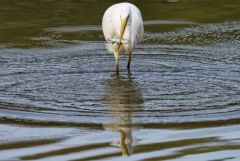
122	26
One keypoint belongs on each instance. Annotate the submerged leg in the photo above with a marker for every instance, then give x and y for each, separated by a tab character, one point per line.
117	62
129	61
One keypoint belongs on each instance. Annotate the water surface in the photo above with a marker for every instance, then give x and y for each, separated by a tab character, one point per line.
61	100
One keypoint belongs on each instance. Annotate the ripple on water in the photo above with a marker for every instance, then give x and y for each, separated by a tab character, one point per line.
183	97
180	83
198	34
183	32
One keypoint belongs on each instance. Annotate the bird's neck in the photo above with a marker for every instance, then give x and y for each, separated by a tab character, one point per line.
130	32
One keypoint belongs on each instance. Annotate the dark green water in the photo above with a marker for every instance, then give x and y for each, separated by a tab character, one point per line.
61	100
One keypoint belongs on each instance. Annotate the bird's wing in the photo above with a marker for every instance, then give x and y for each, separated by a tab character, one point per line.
109	23
137	23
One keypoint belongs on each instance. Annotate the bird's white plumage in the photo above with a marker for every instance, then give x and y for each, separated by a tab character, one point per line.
111	25
122	26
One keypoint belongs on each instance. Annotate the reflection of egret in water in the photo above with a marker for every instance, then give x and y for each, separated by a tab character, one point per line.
124	98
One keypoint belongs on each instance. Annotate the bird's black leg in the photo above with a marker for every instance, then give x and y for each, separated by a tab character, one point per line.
117	69
117	62
129	61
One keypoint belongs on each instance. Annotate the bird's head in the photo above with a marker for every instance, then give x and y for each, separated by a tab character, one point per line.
124	18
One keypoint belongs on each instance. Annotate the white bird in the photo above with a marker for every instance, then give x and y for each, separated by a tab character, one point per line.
122	26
